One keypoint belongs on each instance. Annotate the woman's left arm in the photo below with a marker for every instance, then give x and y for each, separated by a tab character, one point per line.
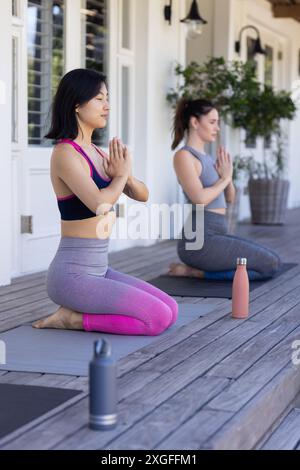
136	189
230	192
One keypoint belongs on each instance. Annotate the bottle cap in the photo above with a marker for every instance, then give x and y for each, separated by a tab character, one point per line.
102	348
241	261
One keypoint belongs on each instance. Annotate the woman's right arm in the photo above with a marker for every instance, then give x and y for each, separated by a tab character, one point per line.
69	169
189	179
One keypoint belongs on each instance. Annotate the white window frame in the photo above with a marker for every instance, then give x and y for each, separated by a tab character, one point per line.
18	32
19	11
130	50
15	93
126	58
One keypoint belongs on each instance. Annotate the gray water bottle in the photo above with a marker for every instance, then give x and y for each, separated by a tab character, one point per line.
103	388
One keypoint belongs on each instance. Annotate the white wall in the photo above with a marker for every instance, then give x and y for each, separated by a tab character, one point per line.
5	138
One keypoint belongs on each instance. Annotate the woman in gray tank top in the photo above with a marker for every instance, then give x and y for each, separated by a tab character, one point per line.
207	181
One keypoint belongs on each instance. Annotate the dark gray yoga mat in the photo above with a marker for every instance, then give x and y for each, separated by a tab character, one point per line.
21	404
192	287
69	352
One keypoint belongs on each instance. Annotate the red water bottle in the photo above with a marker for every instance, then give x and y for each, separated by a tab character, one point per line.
240	290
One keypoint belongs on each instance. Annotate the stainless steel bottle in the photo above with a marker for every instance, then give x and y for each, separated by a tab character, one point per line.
103	388
240	290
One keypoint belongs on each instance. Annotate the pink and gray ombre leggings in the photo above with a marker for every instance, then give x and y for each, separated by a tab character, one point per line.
79	278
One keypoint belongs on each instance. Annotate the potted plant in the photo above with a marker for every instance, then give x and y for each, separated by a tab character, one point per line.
244	103
268	187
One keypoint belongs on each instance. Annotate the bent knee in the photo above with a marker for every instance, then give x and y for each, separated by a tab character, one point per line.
174	308
159	322
274	265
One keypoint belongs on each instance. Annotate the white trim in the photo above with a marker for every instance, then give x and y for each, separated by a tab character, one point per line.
126	51
5	160
73	34
112	64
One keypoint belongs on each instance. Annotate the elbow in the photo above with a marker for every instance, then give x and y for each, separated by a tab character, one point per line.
230	200
204	201
146	197
103	208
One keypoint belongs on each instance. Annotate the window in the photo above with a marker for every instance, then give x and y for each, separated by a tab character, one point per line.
45	49
268	66
15	7
251	56
125	95
268	78
251	143
94	46
14	101
126	71
126	24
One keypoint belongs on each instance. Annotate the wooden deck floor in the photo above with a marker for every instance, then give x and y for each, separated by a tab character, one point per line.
214	383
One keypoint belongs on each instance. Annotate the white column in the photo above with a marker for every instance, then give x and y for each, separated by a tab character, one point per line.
5	136
73	34
223	46
224	29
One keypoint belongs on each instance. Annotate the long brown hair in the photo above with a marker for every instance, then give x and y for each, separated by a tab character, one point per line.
186	108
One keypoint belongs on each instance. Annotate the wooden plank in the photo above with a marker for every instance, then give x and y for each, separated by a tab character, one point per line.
39	310
234	365
259	303
287	435
20	288
27	277
21	378
195	431
63	425
165	418
249	425
249	384
217	336
25	301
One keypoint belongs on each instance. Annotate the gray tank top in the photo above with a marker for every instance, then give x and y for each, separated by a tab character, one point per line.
209	176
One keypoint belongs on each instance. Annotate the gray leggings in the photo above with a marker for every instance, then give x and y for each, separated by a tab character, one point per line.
218	256
80	279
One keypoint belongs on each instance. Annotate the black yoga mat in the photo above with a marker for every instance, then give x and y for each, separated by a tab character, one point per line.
192	287
21	404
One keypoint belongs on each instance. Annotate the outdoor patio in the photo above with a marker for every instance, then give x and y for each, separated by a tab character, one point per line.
213	383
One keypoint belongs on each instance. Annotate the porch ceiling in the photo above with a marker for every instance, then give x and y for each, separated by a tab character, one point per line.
286	9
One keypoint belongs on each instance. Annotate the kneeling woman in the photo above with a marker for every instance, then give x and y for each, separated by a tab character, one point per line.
208	181
87	182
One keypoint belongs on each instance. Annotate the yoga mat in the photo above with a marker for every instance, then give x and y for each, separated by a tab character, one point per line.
192	287
21	404
69	352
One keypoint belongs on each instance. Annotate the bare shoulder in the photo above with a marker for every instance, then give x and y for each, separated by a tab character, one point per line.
184	158
64	154
182	153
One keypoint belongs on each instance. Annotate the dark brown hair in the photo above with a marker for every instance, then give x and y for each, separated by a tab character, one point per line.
77	87
186	108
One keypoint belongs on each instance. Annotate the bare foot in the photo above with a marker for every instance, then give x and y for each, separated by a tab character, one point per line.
63	318
178	269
